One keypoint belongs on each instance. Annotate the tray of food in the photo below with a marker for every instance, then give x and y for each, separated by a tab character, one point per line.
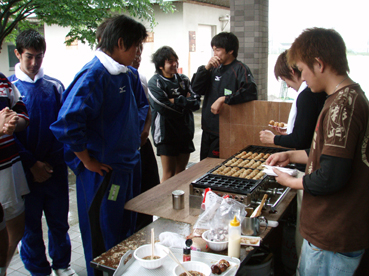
281	125
243	171
250	240
247	163
168	265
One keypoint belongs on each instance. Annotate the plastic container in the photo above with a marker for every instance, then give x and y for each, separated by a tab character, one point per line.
194	266
213	245
145	250
234	238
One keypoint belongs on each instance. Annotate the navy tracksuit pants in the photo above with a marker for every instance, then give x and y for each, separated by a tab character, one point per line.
52	198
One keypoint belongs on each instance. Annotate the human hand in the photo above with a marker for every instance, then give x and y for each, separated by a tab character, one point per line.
8	121
214	62
217	105
95	166
41	171
281	159
283	178
287	180
3	118
172	100
144	136
266	137
10	127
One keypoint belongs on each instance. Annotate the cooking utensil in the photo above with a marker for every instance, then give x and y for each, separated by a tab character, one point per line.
257	211
251	226
152	243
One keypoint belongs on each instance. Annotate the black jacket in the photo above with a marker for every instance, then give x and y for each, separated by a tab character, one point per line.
172	123
235	81
308	105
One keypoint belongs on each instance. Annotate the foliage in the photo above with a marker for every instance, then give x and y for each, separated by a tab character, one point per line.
82	16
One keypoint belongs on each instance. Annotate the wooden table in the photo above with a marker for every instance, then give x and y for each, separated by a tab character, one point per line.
158	201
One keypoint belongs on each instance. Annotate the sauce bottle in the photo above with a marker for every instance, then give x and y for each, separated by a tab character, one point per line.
234	238
187	251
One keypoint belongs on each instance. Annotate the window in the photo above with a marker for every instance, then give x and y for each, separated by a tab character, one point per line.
13	60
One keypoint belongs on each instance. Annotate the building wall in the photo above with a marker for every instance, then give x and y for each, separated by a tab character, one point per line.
205	15
249	21
173	30
61	61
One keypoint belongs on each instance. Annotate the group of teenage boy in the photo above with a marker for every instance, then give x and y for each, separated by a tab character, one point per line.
95	127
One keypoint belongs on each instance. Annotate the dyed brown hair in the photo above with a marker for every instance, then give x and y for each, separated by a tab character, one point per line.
283	70
325	44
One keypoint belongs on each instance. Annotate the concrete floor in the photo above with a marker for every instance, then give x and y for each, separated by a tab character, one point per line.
16	267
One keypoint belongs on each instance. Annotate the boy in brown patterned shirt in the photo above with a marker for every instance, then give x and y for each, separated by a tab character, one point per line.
337	172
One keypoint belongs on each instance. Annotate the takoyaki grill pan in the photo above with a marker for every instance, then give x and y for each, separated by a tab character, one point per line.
239	188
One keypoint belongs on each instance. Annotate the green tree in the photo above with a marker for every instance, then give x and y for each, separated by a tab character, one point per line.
82	16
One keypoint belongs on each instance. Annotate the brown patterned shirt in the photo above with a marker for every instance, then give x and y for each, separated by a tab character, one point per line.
340	221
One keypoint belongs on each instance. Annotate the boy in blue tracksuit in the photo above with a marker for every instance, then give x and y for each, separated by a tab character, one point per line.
43	162
100	123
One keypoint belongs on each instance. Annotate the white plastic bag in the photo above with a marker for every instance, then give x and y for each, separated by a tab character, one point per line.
212	203
170	239
218	213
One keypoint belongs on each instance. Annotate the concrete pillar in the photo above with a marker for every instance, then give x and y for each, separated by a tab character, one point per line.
249	22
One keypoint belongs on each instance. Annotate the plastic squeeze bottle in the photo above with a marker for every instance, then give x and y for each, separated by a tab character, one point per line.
234	238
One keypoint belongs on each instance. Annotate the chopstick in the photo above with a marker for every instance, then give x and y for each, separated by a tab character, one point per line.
174	258
152	243
257	211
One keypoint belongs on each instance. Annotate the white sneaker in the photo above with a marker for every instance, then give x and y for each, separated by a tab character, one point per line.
64	272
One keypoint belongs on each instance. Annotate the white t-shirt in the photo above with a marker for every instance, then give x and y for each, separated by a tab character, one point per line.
293	111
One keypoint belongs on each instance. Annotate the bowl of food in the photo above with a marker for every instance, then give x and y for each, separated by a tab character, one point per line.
194	268
143	256
214	243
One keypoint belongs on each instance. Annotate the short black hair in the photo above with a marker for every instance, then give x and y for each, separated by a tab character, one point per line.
227	41
161	55
30	39
121	26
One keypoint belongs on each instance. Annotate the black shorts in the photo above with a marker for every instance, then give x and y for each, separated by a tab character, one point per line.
175	149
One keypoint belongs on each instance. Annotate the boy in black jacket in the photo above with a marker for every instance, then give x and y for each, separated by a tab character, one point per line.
223	80
172	102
